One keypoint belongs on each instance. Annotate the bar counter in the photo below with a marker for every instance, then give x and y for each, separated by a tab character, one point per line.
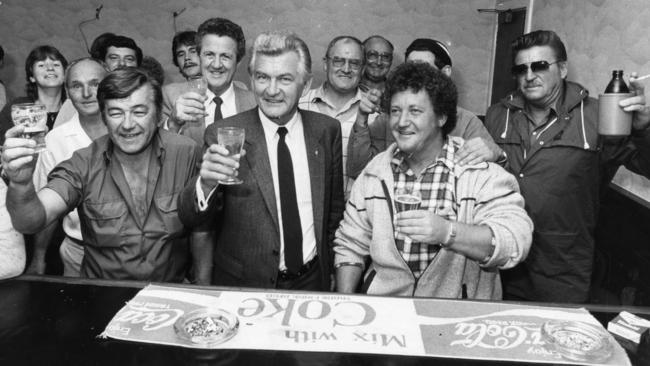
47	320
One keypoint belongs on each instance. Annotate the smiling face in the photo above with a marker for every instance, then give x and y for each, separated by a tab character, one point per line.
132	121
188	60
119	57
414	124
82	82
379	57
542	87
277	85
218	61
344	78
48	73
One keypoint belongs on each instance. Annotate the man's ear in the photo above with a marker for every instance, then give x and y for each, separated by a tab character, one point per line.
446	70
564	68
442	120
307	85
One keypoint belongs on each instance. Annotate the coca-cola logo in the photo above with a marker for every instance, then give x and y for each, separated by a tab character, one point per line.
151	316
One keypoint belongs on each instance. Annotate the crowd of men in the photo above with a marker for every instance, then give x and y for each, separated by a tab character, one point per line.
508	207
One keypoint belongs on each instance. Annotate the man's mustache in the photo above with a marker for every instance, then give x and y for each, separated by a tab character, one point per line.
189	64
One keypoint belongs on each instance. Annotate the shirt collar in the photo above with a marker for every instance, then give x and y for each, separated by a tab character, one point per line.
445	158
318	95
227	97
271	128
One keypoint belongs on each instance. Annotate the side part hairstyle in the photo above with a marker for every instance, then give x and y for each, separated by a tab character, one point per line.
417	76
223	28
278	43
539	38
121	83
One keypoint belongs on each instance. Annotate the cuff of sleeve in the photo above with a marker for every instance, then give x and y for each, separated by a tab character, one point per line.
201	200
505	253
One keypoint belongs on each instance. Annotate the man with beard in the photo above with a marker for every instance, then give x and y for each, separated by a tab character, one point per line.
184	54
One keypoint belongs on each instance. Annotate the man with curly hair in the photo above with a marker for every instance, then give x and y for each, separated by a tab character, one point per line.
471	220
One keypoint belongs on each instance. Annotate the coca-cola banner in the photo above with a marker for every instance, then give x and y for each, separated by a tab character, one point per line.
330	322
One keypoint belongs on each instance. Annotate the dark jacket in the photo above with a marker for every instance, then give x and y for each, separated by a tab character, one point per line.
560	176
247	248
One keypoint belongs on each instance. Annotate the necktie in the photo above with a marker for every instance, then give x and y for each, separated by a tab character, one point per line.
217	109
289	207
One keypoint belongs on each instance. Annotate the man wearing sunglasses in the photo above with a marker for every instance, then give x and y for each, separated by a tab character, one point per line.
379	58
339	96
548	129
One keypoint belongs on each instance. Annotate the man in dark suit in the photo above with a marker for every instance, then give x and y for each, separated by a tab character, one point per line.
221	46
276	228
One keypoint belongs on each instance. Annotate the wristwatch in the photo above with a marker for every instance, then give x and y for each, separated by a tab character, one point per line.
451	236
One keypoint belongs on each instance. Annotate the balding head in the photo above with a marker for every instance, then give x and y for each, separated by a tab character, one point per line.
82	78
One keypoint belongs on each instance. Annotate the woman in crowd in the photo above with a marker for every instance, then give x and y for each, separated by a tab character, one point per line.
45	74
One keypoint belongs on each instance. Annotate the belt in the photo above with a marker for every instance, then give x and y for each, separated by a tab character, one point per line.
286	275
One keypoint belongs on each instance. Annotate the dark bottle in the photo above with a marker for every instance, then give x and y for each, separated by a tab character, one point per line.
617	84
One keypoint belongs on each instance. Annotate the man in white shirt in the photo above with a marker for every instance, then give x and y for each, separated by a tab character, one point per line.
277	227
82	78
339	96
221	46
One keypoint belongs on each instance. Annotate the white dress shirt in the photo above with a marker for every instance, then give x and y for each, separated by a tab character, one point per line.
228	104
295	140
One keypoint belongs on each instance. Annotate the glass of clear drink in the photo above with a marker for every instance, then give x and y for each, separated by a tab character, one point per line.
232	138
198	84
407	199
34	117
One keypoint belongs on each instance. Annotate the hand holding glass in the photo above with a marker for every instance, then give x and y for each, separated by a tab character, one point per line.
34	117
232	138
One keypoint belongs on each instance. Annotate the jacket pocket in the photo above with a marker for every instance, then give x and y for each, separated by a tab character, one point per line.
559	253
168	206
106	221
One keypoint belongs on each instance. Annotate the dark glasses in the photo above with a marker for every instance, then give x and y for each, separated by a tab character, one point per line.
536	66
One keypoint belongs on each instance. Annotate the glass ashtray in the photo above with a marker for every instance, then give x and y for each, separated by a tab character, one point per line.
207	327
577	341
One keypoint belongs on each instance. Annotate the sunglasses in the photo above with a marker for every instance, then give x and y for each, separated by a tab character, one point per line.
535	67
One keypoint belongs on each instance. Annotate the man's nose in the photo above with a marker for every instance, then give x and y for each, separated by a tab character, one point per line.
85	92
272	89
346	66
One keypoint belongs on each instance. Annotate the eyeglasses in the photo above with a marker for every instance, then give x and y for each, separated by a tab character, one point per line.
374	56
338	62
535	67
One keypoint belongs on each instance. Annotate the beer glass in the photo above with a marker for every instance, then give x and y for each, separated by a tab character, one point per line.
407	199
198	84
34	117
232	138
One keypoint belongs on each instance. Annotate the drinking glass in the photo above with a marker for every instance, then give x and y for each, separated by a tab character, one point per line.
34	117
198	84
407	199
232	138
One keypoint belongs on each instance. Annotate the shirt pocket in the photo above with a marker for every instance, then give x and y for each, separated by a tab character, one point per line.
106	220
168	207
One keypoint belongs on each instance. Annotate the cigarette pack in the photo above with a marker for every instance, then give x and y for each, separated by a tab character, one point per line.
631	327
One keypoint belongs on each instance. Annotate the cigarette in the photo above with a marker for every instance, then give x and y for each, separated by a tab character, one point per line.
642	77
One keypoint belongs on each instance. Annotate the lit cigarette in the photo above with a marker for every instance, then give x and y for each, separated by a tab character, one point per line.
642	77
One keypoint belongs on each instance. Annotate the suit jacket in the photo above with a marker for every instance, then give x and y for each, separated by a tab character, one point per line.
244	100
245	216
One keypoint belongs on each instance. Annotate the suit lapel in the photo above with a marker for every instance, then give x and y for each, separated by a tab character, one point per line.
316	161
257	158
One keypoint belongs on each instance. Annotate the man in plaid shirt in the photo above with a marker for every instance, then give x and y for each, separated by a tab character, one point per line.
470	222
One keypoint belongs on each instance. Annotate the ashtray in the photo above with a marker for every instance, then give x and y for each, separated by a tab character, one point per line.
207	327
577	341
